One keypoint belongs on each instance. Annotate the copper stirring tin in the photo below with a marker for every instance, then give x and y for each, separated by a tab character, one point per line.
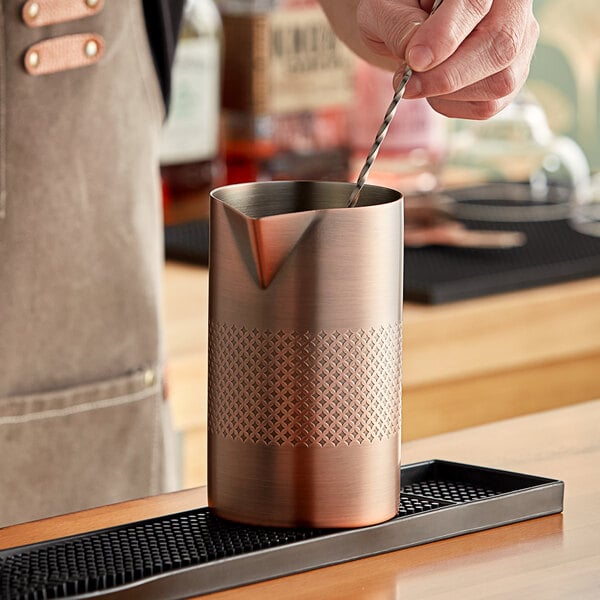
304	354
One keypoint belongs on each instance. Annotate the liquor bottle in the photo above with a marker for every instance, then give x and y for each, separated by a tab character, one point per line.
190	142
414	149
286	94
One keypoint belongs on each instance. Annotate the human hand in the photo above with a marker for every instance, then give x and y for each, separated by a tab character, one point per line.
469	58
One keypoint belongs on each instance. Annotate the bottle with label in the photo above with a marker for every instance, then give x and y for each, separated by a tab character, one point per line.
414	149
286	94
190	142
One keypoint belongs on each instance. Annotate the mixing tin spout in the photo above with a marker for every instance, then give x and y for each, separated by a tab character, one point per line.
266	243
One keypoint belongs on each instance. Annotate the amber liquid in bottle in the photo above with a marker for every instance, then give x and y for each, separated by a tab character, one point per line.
287	89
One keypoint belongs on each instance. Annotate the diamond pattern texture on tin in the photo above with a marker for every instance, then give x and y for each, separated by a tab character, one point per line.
290	388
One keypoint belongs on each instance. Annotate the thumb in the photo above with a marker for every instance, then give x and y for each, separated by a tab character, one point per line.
386	26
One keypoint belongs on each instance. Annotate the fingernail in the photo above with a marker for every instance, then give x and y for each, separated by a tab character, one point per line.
406	36
419	58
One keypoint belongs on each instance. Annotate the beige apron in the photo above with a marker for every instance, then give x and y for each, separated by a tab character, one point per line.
82	416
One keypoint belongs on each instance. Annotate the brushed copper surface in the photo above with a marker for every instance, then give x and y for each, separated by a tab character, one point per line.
304	353
342	269
299	486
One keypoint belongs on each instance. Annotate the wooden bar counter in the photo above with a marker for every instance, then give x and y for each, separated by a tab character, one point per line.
464	363
555	557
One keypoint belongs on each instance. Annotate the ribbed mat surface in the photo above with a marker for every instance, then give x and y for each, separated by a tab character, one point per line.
554	253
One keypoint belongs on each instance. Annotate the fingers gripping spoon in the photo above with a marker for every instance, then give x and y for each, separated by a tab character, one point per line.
389	115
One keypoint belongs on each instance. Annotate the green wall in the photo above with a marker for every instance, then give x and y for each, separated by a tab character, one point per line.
565	72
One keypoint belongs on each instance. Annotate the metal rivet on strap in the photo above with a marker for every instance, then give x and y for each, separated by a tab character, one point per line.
33	10
149	377
33	59
91	48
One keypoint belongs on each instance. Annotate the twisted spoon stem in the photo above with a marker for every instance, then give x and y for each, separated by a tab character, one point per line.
389	115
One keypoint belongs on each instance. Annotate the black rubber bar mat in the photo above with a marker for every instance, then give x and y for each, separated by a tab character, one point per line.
554	253
187	242
192	553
